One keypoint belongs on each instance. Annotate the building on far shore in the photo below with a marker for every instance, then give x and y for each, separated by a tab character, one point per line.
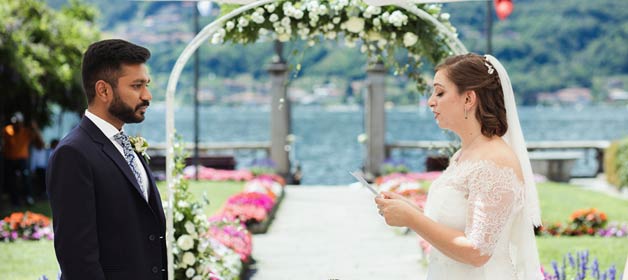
566	96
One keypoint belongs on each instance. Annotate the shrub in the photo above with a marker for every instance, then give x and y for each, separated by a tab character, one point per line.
610	163
621	163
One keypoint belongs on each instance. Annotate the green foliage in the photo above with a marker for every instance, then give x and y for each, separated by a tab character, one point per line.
546	45
616	163
40	54
610	163
621	163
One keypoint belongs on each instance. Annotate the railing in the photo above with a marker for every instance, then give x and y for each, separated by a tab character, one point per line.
597	146
208	148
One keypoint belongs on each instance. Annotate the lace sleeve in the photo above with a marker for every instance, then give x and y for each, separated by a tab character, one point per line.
492	198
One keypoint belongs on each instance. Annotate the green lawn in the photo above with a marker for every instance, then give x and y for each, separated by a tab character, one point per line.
28	260
558	201
607	250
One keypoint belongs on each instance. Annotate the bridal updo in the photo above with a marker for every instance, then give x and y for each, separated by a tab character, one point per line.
473	72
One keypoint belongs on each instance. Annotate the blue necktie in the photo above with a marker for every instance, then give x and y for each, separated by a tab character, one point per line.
123	140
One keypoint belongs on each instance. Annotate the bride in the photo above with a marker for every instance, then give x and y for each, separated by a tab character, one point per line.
481	212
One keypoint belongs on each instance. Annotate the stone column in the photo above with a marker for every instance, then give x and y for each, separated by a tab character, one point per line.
280	121
375	119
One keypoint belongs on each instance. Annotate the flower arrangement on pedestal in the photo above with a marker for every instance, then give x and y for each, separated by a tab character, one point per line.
382	30
25	225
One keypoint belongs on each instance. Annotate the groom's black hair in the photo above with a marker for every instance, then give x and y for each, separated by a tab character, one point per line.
103	60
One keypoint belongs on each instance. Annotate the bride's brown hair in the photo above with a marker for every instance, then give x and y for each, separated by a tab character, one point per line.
471	72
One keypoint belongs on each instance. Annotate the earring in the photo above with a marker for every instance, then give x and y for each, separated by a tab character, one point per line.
465	113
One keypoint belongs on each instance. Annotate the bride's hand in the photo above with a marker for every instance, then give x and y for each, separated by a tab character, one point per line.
396	210
398	196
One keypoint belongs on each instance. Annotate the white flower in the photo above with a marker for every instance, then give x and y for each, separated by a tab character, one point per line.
377	22
382	43
185	242
444	16
336	20
355	24
270	8
178	216
189	226
257	18
285	22
331	35
242	22
363	48
373	36
182	204
398	19
311	43
373	10
409	39
188	259
140	145
197	277
298	14
283	37
202	246
273	18
190	272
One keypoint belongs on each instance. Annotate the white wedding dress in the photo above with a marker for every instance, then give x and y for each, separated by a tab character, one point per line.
484	200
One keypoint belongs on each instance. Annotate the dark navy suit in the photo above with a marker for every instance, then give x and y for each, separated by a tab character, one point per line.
104	228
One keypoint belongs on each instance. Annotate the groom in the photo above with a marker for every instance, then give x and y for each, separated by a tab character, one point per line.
107	213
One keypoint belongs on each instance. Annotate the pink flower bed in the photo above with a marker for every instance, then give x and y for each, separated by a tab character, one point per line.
231	234
206	173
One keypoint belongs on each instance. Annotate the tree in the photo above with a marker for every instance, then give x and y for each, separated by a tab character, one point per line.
40	57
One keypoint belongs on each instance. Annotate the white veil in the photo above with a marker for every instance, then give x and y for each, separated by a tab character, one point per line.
524	250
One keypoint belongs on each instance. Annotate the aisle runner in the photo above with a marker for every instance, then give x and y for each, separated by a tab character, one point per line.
323	232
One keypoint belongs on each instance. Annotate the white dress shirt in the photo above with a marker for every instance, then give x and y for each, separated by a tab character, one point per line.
109	130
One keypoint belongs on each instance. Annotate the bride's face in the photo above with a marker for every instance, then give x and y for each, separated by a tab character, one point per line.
446	102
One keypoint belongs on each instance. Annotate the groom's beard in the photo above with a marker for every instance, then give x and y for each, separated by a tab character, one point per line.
124	112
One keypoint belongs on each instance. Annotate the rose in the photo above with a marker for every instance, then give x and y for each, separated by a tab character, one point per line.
409	39
185	242
355	24
189	226
189	259
140	145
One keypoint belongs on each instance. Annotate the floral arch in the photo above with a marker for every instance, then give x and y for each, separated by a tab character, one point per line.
380	31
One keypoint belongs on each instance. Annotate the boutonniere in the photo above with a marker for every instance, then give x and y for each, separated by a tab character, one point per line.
140	145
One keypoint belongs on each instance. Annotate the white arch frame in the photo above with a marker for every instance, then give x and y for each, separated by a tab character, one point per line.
452	41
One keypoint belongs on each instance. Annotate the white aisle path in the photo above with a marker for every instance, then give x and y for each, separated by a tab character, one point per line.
323	232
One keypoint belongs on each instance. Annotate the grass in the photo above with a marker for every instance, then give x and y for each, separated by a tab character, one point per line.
608	251
216	192
558	201
29	260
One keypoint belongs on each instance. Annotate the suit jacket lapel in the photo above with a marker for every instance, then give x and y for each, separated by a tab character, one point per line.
154	199
111	151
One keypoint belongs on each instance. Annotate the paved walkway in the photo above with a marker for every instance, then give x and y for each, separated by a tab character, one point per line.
323	232
599	184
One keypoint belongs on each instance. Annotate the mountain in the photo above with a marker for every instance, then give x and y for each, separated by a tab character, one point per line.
545	45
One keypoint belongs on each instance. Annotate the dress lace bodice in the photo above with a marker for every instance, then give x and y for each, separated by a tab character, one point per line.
480	198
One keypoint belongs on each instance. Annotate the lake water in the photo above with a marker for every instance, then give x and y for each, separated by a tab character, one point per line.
326	138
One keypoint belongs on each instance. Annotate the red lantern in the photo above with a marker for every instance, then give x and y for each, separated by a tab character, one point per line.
503	8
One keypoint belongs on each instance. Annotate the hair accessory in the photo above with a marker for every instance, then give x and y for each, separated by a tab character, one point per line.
490	68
